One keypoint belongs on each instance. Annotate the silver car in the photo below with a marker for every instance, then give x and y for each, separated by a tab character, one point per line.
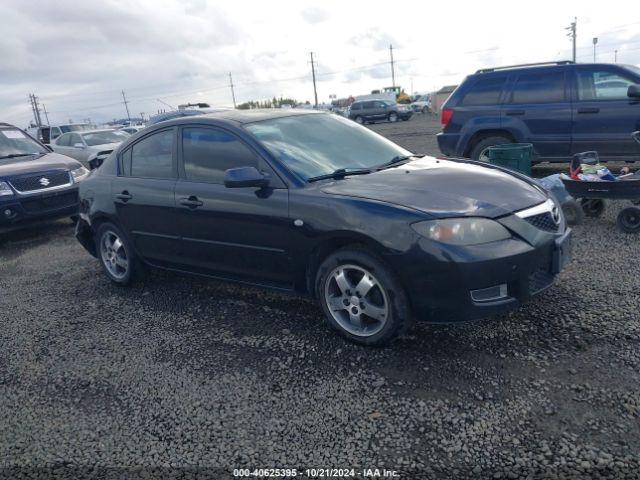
89	145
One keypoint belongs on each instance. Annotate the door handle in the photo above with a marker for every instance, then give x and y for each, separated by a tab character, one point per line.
124	197
191	202
588	110
515	112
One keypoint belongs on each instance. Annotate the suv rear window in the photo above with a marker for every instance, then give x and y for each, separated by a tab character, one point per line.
485	91
539	87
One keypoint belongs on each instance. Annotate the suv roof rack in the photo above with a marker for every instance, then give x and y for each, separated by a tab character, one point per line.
523	65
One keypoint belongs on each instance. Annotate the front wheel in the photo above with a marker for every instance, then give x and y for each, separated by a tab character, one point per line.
592	207
359	120
115	254
361	297
629	220
393	117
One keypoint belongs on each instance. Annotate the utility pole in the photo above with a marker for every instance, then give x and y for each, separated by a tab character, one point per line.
46	115
615	56
572	35
126	105
313	74
595	42
233	93
393	72
36	110
142	116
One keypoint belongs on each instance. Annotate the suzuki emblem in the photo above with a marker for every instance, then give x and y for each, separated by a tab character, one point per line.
44	181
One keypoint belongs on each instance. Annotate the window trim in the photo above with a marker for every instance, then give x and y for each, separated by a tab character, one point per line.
576	83
514	81
131	145
275	181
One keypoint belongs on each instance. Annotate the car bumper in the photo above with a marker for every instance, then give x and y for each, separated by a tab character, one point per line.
405	115
25	209
448	144
452	285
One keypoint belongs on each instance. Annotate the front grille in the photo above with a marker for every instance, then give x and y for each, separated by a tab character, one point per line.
53	202
539	280
543	221
41	181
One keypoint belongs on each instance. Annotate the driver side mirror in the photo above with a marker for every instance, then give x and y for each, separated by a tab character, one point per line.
633	91
78	145
245	177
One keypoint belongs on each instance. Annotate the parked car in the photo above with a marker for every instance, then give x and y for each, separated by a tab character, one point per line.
561	108
48	133
35	184
369	111
377	235
89	147
421	104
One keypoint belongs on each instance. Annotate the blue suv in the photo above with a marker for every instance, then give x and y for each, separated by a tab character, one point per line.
562	108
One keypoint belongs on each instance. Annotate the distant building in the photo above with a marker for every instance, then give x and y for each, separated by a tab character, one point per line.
438	98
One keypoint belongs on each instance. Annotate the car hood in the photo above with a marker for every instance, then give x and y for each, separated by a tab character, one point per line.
105	147
443	188
23	165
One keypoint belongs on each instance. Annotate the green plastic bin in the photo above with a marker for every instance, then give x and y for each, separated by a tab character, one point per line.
516	156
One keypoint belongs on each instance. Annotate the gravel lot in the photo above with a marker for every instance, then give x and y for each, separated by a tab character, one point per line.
196	378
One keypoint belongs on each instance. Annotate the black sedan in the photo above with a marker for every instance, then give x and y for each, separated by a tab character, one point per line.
35	184
314	203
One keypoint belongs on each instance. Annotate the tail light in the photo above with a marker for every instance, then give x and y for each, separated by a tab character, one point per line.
445	117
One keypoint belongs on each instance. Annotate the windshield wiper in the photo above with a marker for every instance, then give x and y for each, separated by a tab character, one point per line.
339	173
15	155
398	159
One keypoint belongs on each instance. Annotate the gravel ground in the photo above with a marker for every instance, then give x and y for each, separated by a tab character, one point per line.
180	377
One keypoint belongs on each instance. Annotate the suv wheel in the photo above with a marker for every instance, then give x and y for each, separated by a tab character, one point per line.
479	150
393	117
361	297
115	254
359	120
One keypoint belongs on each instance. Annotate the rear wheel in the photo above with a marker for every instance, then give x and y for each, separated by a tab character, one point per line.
359	120
479	150
393	117
361	297
592	207
629	220
115	254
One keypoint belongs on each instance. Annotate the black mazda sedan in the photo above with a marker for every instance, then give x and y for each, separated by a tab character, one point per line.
314	203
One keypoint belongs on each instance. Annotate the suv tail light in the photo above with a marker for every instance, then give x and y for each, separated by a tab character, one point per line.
445	117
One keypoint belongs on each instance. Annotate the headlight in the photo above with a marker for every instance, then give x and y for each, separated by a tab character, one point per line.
5	189
79	174
462	231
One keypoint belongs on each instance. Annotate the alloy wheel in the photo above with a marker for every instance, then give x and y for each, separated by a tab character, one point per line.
393	117
113	254
356	300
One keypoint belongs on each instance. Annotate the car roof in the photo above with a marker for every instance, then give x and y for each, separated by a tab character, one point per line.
241	117
97	130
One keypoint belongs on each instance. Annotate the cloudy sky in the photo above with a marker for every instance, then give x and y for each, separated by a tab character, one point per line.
77	56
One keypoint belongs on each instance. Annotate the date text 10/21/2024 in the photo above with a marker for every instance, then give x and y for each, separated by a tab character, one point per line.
316	473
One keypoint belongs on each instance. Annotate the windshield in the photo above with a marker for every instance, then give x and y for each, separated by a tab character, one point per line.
107	136
13	142
74	128
313	145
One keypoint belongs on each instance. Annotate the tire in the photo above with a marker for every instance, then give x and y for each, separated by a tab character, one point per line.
425	109
592	207
341	281
573	213
359	120
629	220
392	117
117	258
478	149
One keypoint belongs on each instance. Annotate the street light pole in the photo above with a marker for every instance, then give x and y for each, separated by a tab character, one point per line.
595	42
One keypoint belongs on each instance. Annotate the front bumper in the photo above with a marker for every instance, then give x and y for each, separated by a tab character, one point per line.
440	289
20	210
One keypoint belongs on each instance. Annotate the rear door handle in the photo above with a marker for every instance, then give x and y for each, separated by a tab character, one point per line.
191	202
515	112
124	197
588	110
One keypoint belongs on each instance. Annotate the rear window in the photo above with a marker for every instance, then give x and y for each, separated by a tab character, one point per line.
485	91
539	87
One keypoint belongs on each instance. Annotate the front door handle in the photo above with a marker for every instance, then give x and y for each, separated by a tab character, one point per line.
588	110
124	197
515	112
191	202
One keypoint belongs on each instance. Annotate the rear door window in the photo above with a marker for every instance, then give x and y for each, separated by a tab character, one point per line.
152	157
485	91
539	87
602	85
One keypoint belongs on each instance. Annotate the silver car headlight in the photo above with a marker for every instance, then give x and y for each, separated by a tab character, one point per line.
5	189
462	231
79	174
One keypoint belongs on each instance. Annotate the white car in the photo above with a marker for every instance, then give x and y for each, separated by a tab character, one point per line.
86	146
422	104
